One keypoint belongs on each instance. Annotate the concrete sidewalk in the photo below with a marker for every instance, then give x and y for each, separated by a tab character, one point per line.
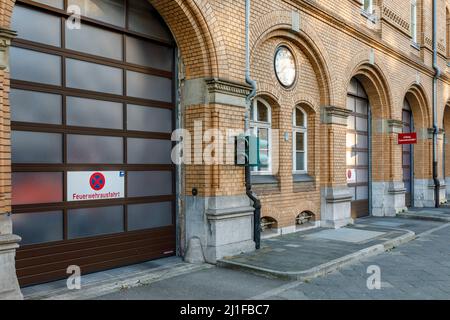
298	256
306	255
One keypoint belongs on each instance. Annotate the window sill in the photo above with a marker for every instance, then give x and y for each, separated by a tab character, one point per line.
368	16
415	45
264	179
302	177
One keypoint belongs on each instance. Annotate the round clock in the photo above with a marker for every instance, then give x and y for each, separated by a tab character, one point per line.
285	66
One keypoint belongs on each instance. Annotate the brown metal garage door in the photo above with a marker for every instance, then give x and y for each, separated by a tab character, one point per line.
94	100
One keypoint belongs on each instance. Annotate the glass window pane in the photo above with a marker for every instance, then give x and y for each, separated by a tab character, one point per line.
299	141
94	113
38	227
351	123
353	86
406	159
362	193
142	118
149	183
264	159
36	187
95	41
109	11
351	158
94	149
362	175
362	159
147	86
299	118
95	221
300	161
406	174
149	215
351	104
149	54
361	124
263	112
92	76
33	106
25	22
351	140
35	66
150	151
361	106
52	3
36	147
361	141
143	18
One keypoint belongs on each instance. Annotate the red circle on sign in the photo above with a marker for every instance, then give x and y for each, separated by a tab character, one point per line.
349	174
97	181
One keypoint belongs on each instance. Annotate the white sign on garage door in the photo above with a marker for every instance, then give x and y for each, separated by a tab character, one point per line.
95	185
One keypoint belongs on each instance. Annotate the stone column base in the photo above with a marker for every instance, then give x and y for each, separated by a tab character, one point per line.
443	192
335	207
388	198
9	286
424	193
224	225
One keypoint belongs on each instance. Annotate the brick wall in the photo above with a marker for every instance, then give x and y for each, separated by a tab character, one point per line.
335	43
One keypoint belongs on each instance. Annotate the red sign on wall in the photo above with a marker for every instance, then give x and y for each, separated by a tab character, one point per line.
407	138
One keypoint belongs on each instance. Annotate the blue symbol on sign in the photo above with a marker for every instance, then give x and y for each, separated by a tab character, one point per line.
122	174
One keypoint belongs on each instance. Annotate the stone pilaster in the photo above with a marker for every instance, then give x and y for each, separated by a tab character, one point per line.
424	196
9	286
220	215
335	196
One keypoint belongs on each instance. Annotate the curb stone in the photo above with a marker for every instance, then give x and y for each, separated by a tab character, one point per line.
105	287
324	268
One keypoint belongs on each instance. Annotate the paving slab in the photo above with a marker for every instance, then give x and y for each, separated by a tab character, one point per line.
316	252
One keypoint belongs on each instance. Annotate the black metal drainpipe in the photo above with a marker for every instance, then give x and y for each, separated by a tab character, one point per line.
248	181
437	184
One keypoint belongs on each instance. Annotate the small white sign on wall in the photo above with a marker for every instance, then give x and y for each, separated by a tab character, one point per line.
95	185
351	176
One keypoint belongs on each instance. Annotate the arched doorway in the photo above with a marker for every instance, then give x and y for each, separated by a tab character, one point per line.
408	155
92	110
358	149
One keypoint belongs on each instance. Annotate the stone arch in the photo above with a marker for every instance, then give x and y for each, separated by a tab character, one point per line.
279	24
193	24
374	81
420	105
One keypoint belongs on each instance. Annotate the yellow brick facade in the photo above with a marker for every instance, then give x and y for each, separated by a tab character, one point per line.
334	42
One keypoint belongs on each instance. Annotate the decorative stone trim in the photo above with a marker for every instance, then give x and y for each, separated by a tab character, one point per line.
205	91
395	126
395	20
6	36
226	87
335	115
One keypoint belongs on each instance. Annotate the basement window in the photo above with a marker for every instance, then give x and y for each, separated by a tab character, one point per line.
269	227
305	220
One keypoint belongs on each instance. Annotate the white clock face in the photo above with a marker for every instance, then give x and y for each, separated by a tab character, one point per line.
285	66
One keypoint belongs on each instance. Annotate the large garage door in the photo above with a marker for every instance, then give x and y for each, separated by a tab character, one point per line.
407	160
92	115
358	149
